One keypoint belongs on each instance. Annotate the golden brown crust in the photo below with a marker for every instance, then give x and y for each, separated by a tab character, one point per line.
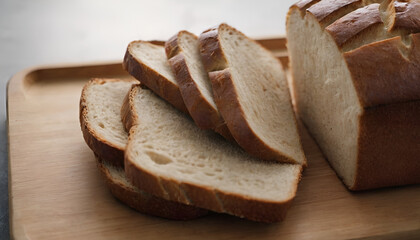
354	23
389	146
210	50
228	103
404	14
304	4
106	150
327	11
153	80
201	111
145	202
126	109
389	77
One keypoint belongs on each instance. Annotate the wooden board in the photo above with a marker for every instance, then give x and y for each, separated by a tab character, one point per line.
56	192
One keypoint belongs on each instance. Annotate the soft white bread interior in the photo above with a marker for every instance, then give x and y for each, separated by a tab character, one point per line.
251	92
170	157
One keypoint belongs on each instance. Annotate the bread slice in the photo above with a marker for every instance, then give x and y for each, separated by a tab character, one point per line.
169	156
100	118
184	57
147	62
250	89
356	85
104	133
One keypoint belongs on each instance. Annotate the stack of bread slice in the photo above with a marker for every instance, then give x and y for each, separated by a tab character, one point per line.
210	126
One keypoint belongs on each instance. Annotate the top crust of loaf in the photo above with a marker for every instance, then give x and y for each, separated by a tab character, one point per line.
203	110
391	76
227	99
105	149
403	14
166	88
353	23
325	10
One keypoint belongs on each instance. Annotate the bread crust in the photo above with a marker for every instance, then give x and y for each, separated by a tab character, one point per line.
102	147
202	196
153	80
228	103
202	112
354	23
327	11
147	203
126	109
388	146
404	15
388	78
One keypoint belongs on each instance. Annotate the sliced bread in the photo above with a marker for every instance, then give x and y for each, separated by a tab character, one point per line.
104	133
356	68
100	118
251	92
147	62
168	156
184	57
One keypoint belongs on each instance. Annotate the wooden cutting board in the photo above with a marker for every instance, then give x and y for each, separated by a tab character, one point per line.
56	192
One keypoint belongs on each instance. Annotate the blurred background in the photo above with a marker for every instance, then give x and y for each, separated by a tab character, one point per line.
45	32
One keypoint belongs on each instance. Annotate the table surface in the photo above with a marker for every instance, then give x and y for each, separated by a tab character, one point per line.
48	32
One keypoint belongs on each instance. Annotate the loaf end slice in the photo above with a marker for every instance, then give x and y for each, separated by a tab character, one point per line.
169	156
251	92
147	62
184	57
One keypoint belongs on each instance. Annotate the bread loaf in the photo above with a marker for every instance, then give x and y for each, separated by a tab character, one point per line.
356	68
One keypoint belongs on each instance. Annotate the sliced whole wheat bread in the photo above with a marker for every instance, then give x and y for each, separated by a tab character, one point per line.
147	62
184	57
168	156
356	68
251	92
104	133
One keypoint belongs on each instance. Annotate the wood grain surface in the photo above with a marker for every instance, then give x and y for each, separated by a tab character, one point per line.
56	192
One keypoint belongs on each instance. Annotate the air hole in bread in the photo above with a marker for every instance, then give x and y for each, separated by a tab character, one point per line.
186	171
101	125
158	158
